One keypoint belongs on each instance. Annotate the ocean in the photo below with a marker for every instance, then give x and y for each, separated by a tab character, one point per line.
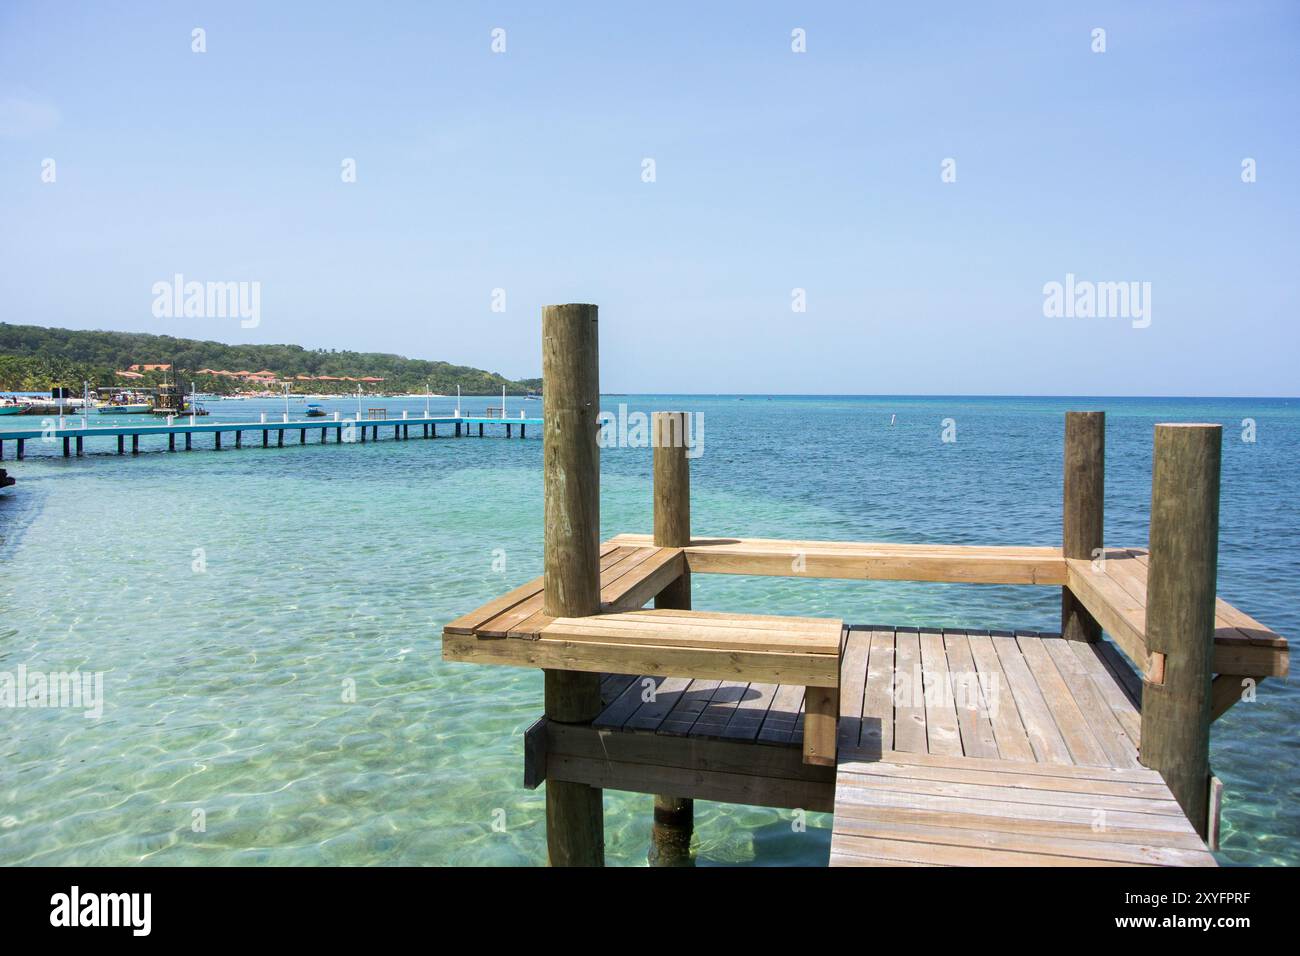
267	622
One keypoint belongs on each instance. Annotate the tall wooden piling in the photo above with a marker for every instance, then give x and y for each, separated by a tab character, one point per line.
575	830
1180	612
1084	510
674	817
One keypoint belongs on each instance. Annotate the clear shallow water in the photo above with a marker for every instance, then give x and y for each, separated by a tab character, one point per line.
332	568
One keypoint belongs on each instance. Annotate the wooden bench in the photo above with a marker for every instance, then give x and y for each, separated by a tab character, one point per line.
1114	590
703	644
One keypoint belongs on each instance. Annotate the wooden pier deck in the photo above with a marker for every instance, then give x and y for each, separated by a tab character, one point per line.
930	746
269	433
952	746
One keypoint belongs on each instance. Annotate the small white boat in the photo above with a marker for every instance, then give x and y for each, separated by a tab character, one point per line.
130	408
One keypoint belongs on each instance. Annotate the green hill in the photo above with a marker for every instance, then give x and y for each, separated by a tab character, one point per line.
33	358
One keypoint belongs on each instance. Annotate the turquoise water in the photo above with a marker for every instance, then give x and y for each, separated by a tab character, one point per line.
331	569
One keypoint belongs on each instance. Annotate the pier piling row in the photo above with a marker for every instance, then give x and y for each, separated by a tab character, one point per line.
401	432
931	746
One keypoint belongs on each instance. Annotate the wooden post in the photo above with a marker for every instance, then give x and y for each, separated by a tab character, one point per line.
80	446
22	449
1085	483
1180	612
67	447
189	440
674	817
135	444
279	438
239	438
266	437
575	826
171	441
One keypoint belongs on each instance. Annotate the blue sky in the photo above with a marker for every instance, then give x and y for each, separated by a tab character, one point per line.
774	171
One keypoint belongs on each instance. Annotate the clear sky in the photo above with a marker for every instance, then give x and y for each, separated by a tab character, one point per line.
774	171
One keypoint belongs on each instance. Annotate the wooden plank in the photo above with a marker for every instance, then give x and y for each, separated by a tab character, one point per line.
1120	614
849	759
693	753
853	678
847	783
688	708
853	823
820	670
535	754
742	788
977	737
943	736
750	712
912	851
663	697
871	560
1012	777
1078	735
821	711
1119	748
1008	729
782	717
683	628
1044	736
967	819
1216	809
1111	691
717	713
627	703
1225	690
1129	680
522	619
631	591
612	685
467	623
877	733
1088	816
909	718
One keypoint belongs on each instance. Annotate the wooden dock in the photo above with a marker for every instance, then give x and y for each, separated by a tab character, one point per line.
342	431
931	746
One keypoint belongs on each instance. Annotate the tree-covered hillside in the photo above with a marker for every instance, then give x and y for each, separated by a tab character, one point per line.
33	358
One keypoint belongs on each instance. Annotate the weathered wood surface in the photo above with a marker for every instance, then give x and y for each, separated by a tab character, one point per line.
571	560
1083	511
870	561
1114	591
1182	575
918	810
629	577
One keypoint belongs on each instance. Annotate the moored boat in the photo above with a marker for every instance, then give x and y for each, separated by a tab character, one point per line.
315	410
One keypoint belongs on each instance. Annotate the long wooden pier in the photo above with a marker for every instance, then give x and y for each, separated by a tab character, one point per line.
931	746
298	431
